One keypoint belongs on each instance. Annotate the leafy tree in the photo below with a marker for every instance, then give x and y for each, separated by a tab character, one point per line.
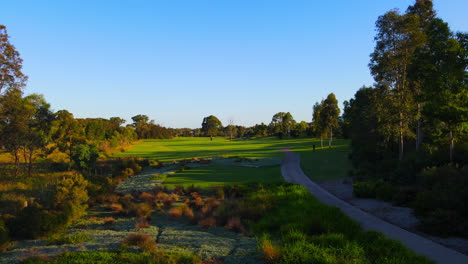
329	114
211	126
14	117
10	63
446	87
67	132
260	130
39	125
302	127
398	37
231	129
85	156
282	123
318	124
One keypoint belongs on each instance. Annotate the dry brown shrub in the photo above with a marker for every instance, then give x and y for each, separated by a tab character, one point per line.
116	208
142	223
107	198
146	197
143	210
234	223
108	221
176	212
143	241
174	197
179	189
209	222
212	202
206	209
162	196
188	212
270	251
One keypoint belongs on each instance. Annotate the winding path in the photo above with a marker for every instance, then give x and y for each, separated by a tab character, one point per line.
292	172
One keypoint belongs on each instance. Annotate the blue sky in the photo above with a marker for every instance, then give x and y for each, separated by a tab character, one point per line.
178	61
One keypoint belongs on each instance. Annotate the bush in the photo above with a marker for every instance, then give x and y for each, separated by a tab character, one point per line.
33	222
108	221
142	223
4	234
385	191
364	190
143	210
143	241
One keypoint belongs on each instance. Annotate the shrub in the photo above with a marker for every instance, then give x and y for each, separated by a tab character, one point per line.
364	190
146	197
176	212
209	222
234	223
116	208
187	212
385	191
4	235
108	221
33	222
143	210
142	241
270	251
142	223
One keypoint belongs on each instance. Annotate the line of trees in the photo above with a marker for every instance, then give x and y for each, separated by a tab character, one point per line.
409	130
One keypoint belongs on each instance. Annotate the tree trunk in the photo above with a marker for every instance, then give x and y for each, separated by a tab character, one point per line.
30	162
419	135
401	141
16	163
452	145
331	137
321	141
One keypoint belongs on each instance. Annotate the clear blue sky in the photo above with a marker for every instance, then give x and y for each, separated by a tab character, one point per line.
178	61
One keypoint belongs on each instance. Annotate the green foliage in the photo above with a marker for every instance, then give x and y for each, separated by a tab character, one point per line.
71	194
385	191
211	126
4	234
34	222
308	231
68	239
282	124
85	156
364	190
118	258
441	206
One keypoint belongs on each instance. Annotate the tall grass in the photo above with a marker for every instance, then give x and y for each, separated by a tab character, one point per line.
303	230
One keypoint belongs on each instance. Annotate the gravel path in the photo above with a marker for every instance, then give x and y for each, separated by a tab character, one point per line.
292	172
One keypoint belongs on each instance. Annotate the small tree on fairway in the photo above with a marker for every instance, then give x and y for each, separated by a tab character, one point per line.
211	126
329	115
317	121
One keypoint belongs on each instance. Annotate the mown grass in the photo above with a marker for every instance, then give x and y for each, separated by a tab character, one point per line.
321	164
184	148
223	175
327	163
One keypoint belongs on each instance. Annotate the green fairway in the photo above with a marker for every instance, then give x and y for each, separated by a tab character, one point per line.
327	163
185	148
319	165
223	175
